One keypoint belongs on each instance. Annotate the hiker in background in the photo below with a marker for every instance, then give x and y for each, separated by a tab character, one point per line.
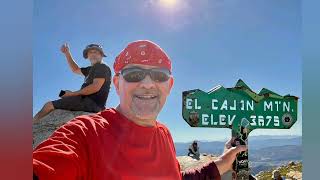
194	149
94	91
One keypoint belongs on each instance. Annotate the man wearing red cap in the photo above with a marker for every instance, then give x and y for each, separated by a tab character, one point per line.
126	142
94	91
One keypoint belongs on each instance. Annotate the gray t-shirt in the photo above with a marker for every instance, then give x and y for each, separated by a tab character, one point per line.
98	71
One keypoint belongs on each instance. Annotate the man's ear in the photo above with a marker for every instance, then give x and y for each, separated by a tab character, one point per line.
116	83
171	82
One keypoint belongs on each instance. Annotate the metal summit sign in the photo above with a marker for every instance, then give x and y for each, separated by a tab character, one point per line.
240	109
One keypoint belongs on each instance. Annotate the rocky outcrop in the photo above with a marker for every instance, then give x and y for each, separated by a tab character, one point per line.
294	175
51	122
290	171
187	162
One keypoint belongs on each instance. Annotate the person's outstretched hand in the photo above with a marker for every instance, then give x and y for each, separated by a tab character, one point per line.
65	48
225	161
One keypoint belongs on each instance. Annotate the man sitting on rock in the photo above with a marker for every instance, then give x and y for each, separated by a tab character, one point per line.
94	91
126	142
194	149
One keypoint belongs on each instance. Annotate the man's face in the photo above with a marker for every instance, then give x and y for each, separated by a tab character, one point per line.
144	99
94	56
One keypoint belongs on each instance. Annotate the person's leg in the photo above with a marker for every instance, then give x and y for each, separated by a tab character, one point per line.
90	106
62	103
46	109
72	103
76	103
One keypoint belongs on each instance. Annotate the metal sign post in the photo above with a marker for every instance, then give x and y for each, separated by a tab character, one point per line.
242	110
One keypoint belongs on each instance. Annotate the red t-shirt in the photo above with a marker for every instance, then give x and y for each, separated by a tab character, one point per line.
107	145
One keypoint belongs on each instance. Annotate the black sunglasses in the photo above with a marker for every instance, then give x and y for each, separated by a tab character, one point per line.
136	74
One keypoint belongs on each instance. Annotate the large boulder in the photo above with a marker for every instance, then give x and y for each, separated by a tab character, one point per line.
188	162
51	122
294	175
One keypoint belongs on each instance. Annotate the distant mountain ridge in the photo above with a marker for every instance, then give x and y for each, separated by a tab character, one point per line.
267	158
255	142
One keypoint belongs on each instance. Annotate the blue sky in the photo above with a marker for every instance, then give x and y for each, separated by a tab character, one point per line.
210	42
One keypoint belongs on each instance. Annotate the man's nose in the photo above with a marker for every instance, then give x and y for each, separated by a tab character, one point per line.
147	82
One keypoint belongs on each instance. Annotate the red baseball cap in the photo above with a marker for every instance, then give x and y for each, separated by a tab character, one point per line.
143	52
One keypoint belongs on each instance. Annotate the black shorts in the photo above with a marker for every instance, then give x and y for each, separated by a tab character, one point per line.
76	103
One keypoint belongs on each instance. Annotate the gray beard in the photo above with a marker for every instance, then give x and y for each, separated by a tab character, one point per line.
142	114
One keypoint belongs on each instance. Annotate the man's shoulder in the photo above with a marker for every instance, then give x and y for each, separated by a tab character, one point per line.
165	131
163	128
88	121
94	120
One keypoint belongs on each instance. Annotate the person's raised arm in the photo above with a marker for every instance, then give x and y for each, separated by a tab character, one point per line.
72	64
